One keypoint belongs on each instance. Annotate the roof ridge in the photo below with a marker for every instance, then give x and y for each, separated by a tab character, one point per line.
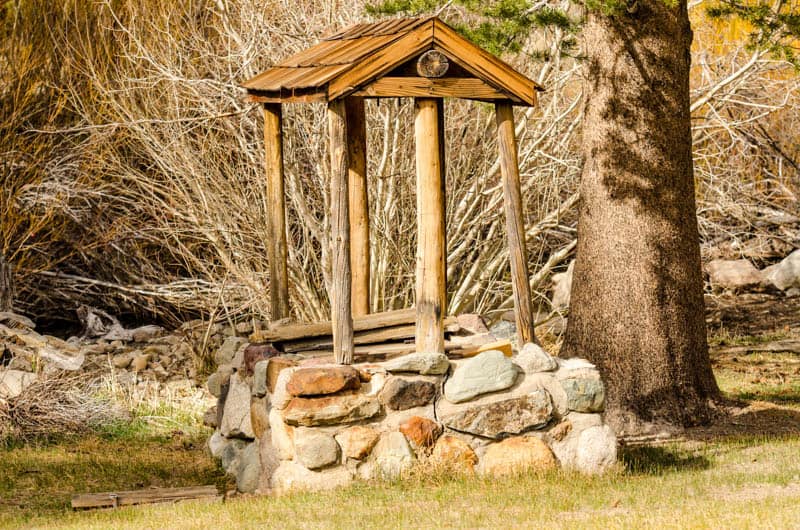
403	24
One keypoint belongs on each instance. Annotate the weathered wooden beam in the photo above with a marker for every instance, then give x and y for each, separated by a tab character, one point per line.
359	204
466	88
114	499
372	321
341	311
276	212
515	229
431	300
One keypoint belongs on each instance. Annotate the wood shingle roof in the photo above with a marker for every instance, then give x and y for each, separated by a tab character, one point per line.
372	60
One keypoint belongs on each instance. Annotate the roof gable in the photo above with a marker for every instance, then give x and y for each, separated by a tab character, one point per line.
350	61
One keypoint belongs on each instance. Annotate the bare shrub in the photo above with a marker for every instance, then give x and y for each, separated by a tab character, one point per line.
61	404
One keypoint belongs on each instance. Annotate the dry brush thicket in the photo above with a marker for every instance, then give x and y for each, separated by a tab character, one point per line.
133	168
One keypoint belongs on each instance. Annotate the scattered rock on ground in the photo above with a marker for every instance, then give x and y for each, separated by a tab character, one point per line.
13	382
733	274
786	274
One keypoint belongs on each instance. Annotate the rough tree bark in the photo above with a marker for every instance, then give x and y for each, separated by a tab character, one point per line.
637	306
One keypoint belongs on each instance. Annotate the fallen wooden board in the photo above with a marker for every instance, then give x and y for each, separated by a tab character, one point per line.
780	346
114	499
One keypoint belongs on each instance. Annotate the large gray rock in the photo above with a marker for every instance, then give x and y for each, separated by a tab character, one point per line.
291	476
533	359
260	378
216	444
248	469
504	418
392	455
733	274
315	449
786	274
226	353
581	382
422	363
597	450
13	382
218	379
236	414
229	454
486	372
562	287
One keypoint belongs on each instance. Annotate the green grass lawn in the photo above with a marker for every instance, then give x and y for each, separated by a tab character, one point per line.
743	474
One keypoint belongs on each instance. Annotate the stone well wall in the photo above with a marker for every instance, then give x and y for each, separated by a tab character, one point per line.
286	423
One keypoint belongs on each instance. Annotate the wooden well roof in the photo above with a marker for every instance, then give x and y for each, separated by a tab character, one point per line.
374	60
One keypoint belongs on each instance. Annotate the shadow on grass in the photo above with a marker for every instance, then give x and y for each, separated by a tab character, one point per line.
649	460
781	395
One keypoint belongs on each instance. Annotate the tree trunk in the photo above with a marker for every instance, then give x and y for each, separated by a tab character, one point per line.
637	306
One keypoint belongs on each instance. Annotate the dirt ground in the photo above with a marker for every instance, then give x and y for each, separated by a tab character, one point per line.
754	343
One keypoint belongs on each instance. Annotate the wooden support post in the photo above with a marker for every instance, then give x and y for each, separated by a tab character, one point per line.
431	252
341	312
276	212
515	228
359	204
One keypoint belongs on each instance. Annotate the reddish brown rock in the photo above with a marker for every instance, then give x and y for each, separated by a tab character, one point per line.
454	454
323	380
329	410
517	455
420	432
257	352
276	364
357	442
400	394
